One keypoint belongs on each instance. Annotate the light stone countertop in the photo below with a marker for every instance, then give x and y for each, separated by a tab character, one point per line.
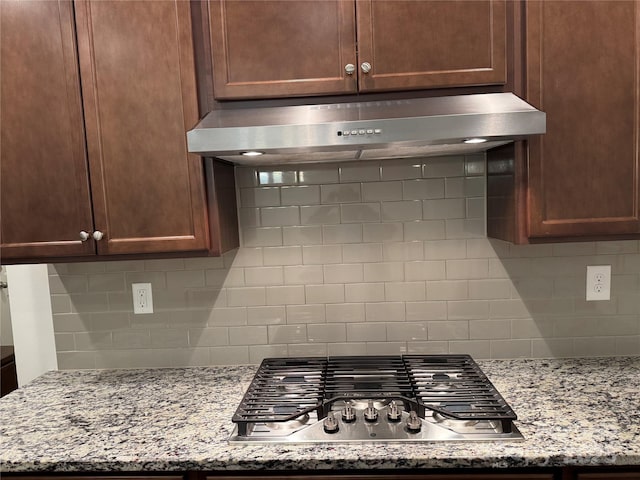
571	412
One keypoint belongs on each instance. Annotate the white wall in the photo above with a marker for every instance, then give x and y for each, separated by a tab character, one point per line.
30	303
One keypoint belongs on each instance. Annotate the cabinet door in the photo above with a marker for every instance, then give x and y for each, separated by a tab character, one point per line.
44	181
139	94
424	44
631	475
583	70
282	48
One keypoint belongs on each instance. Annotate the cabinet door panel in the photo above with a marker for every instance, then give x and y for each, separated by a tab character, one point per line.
139	93
609	476
583	71
423	44
44	181
282	48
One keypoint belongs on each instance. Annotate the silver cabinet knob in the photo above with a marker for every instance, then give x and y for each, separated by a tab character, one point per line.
350	68
84	236
97	235
366	67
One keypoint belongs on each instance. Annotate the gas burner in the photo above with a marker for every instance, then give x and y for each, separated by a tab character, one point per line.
453	422
290	383
363	403
291	425
409	398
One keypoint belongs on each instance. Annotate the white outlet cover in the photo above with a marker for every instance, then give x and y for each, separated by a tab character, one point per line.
598	282
142	298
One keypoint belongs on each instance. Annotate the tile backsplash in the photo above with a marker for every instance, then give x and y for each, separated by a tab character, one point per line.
355	258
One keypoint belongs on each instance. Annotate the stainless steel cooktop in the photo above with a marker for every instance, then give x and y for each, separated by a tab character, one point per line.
409	398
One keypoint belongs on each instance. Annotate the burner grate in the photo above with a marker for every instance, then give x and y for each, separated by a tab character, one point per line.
366	377
282	390
454	386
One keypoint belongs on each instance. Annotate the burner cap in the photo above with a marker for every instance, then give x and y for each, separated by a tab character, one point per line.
289	424
453	422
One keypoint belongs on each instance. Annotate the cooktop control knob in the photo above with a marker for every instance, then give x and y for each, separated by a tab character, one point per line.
331	424
393	414
413	422
348	414
370	413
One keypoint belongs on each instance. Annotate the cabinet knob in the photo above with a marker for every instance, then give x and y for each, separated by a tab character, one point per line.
366	67
84	236
97	235
350	68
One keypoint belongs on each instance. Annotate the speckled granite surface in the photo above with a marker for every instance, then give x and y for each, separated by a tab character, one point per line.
571	412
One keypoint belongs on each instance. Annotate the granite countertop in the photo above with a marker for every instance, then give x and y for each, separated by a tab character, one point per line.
571	412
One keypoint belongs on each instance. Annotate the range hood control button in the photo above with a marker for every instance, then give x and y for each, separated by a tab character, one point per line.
394	414
348	414
369	131
370	413
414	425
331	424
377	131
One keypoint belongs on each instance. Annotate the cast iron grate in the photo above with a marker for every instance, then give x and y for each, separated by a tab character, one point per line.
284	389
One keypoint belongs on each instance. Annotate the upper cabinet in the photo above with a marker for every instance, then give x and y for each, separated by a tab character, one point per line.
96	99
262	49
408	45
282	48
139	92
44	180
580	179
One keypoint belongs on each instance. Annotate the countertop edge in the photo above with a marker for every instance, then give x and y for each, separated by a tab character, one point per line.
557	461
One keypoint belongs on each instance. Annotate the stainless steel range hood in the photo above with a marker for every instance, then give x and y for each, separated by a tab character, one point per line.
365	130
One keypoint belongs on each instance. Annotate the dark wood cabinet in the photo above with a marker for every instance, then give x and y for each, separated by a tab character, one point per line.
282	48
262	49
139	94
44	181
586	473
581	179
426	44
98	476
609	476
123	80
8	372
397	476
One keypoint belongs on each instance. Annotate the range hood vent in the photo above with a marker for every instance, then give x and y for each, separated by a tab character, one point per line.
365	130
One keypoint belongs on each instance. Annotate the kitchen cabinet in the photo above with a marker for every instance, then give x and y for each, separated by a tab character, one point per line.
8	373
581	179
609	476
44	178
262	49
624	473
97	476
383	476
119	76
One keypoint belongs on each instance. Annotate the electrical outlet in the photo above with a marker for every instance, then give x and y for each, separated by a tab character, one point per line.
598	282
142	298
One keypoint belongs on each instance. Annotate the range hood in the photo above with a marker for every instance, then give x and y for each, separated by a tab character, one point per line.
407	128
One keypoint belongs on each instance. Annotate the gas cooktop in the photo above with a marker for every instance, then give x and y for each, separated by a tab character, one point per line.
408	398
